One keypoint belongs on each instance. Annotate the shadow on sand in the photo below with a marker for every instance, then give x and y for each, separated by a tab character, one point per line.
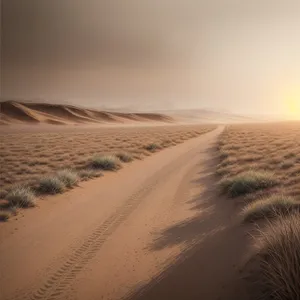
214	246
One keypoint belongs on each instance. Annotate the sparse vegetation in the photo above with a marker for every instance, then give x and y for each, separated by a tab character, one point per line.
21	197
124	156
51	185
35	160
68	177
247	182
262	148
167	143
87	174
269	208
261	165
25	157
152	147
105	162
278	277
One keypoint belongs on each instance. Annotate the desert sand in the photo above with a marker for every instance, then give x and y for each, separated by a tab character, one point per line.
13	112
30	152
154	230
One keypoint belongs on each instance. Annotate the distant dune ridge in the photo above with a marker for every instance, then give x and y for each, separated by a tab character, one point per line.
15	112
19	112
210	116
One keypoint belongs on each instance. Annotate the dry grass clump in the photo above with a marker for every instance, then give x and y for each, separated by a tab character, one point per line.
68	177
247	182
87	174
167	143
124	156
273	148
278	274
152	147
105	162
28	155
51	185
21	197
261	161
269	207
58	182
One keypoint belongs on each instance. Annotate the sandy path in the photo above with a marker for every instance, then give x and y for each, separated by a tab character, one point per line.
153	230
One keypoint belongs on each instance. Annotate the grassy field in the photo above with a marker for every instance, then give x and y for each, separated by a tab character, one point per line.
272	150
260	169
26	156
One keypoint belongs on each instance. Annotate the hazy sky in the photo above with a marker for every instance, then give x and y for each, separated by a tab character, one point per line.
235	55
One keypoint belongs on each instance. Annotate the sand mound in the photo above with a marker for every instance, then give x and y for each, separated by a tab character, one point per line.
35	113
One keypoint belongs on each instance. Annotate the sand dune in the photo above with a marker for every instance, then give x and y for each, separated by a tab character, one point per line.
34	113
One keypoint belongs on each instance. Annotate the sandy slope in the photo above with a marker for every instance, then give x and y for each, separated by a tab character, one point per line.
153	230
12	112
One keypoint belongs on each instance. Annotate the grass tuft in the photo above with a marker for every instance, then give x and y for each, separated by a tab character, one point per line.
21	197
51	185
247	182
105	162
277	276
68	177
124	157
269	208
152	147
87	174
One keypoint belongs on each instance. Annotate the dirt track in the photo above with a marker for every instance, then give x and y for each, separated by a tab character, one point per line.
154	230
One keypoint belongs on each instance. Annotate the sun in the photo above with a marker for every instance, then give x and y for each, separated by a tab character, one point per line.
292	104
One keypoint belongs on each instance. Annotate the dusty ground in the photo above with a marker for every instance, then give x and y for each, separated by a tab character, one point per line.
153	230
157	229
27	152
272	147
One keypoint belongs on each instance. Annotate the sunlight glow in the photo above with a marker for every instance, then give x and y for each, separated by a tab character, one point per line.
292	104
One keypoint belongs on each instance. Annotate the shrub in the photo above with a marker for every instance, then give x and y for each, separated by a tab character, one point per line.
51	185
124	156
4	216
68	177
247	182
88	174
21	197
269	208
108	162
152	147
277	276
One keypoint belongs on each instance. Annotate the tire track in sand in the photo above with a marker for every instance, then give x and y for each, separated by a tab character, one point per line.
58	282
